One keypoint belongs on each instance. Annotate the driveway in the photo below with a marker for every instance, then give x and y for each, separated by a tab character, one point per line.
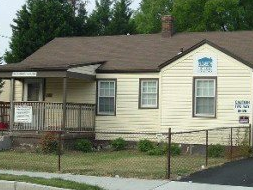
237	173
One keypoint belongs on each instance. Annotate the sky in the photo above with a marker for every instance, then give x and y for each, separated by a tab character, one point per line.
8	9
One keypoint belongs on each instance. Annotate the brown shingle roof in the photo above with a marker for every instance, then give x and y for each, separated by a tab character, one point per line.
131	53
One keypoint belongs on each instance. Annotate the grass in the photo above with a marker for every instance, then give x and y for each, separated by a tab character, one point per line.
49	182
123	163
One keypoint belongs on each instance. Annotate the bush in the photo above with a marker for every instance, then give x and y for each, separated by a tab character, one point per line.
175	150
157	151
216	151
119	144
145	145
49	143
83	145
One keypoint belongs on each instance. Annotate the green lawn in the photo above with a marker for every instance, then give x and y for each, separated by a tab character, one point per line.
49	182
122	163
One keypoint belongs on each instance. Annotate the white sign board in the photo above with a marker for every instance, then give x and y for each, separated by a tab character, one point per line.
23	114
205	65
242	106
24	74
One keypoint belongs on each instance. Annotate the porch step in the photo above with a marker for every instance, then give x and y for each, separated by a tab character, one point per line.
5	142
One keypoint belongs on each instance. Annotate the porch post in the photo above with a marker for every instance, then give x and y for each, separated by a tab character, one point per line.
64	104
12	91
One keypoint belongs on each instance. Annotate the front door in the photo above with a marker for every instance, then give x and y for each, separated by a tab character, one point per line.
33	90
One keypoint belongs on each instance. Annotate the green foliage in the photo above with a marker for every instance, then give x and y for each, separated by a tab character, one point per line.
157	151
148	17
175	150
40	21
48	143
99	20
83	145
189	15
145	145
222	15
121	22
1	82
162	149
119	144
216	151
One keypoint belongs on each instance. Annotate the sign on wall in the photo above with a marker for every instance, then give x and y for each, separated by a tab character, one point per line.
242	106
205	65
23	114
24	74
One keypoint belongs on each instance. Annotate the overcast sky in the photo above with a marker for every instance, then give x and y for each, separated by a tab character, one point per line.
8	9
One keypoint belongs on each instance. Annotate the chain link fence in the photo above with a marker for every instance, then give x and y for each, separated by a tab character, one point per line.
139	155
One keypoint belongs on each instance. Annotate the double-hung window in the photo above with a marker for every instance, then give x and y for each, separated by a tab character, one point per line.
148	93
205	97
106	97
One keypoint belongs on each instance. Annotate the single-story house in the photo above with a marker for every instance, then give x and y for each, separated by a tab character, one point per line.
134	83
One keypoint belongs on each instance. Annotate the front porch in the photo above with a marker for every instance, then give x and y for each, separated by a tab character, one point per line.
54	100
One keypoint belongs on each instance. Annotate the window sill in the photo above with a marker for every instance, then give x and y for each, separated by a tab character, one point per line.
204	116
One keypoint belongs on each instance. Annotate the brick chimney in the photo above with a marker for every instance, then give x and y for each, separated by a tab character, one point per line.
167	26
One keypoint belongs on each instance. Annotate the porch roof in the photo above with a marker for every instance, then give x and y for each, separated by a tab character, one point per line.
23	70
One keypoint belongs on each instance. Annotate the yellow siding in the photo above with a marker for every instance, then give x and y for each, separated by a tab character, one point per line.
5	95
129	117
234	83
79	91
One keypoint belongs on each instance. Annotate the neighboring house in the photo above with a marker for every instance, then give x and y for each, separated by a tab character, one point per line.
137	83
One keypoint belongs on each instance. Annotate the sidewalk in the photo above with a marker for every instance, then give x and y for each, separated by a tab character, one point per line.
111	183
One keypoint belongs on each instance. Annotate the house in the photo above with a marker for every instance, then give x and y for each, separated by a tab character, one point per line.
134	83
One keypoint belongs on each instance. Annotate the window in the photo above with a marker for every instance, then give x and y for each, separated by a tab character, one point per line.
148	93
205	97
106	97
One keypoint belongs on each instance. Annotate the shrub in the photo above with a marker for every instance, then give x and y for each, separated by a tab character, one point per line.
48	143
145	145
83	145
157	151
175	149
119	144
216	151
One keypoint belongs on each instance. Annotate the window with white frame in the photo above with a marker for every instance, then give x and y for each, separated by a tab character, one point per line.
106	97
205	97
148	93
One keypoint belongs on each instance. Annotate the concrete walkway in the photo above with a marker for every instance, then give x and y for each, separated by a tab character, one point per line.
111	183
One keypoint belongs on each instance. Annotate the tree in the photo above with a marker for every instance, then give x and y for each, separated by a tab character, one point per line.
40	21
247	9
223	15
148	17
1	81
100	18
189	15
121	22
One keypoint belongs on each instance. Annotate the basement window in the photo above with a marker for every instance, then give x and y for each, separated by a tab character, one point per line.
106	97
204	97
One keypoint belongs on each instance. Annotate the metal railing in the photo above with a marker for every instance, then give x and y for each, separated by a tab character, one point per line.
47	116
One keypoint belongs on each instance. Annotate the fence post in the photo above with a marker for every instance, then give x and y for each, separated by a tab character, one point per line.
231	144
250	135
206	147
59	151
169	154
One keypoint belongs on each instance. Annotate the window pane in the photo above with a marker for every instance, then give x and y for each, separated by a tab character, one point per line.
106	105
33	93
205	106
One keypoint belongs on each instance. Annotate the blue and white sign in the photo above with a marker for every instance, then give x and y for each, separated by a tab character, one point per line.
205	65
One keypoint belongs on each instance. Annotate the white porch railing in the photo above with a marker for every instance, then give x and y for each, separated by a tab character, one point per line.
48	116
